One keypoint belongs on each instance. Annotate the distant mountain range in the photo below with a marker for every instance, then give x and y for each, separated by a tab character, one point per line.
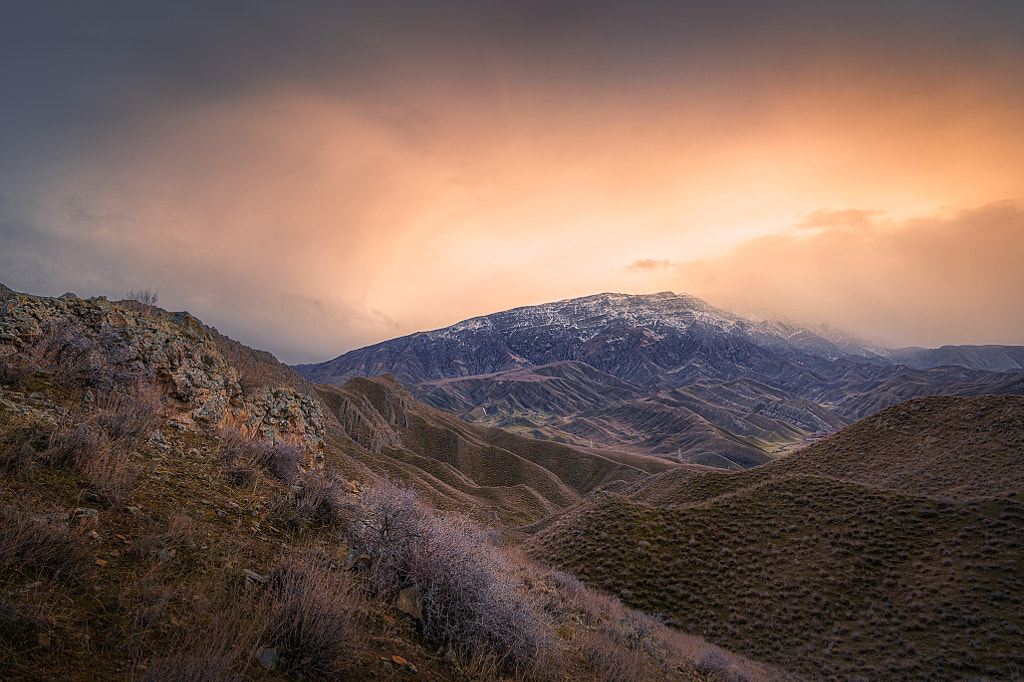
666	374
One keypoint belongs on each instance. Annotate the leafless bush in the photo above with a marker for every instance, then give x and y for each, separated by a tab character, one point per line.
566	582
242	456
316	497
720	666
284	461
20	444
146	297
78	356
18	458
110	470
316	618
319	497
469	599
613	661
388	522
37	546
112	475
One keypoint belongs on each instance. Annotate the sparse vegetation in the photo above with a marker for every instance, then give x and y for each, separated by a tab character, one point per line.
822	577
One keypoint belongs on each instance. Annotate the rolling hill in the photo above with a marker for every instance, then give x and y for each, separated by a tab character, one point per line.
887	550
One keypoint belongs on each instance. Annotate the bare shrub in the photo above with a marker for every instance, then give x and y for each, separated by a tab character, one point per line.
469	598
388	522
146	297
316	618
75	445
112	475
243	456
18	458
720	666
35	547
613	661
87	448
78	356
566	583
316	497
20	444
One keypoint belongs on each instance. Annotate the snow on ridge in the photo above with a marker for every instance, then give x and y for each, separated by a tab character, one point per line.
659	313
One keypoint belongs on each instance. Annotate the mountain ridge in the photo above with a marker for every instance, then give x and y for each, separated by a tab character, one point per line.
597	370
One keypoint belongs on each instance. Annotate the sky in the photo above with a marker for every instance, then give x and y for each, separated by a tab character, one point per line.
312	177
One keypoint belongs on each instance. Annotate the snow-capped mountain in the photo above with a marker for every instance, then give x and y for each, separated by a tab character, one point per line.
661	373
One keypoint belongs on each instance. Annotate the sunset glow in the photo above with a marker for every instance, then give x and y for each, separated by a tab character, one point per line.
329	179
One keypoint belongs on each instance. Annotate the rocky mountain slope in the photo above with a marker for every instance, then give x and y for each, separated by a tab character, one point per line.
665	374
174	505
889	550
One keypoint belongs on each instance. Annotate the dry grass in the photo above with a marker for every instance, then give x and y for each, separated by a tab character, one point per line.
35	547
317	619
822	577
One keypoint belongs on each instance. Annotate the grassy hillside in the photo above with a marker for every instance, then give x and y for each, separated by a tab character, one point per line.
831	578
960	448
166	515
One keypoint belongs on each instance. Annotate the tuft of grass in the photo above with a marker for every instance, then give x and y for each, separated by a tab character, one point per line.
37	547
242	457
88	449
317	618
130	414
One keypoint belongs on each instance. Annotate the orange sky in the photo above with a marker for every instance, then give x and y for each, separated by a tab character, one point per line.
879	189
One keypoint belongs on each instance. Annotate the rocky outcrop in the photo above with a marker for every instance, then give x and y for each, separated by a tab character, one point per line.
100	345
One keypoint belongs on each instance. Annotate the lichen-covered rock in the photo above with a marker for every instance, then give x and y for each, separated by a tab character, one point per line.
101	344
283	414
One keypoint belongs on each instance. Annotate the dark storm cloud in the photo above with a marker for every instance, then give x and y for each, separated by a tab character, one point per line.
286	170
69	69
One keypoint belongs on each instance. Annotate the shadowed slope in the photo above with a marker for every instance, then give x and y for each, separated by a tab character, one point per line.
462	465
